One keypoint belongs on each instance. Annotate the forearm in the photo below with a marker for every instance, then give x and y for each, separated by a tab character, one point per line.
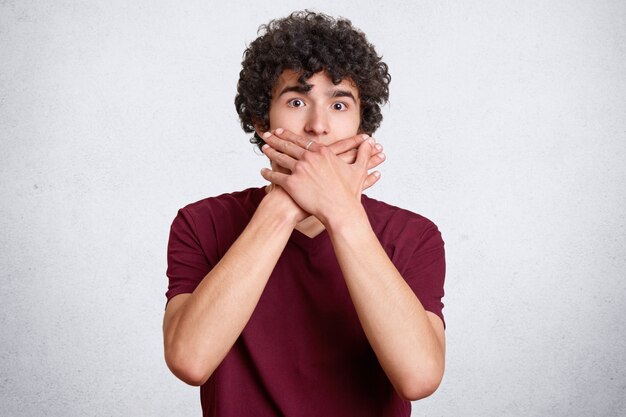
408	342
201	332
393	319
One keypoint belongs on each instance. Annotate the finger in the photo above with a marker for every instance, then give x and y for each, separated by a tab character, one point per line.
363	155
281	159
284	146
345	145
274	177
302	142
376	160
350	156
377	148
370	180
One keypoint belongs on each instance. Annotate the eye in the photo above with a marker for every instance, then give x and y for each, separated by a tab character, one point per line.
295	102
339	106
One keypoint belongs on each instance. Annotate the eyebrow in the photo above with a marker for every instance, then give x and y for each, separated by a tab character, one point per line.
300	88
343	93
305	88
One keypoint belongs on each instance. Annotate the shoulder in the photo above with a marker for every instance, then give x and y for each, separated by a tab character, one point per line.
390	222
224	214
238	202
214	223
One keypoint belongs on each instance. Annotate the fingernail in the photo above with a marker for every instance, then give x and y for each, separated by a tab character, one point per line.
280	130
371	141
379	146
365	137
267	135
377	174
264	147
381	156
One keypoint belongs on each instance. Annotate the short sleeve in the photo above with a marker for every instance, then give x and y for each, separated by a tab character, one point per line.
426	269
187	264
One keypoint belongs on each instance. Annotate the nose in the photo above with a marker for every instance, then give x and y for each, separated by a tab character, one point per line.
317	122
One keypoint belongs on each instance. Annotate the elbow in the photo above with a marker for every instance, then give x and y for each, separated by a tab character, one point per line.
420	385
417	391
188	375
185	368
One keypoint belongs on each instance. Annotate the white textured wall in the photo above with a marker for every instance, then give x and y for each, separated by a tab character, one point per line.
507	127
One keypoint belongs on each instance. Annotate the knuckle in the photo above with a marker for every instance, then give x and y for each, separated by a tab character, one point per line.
300	167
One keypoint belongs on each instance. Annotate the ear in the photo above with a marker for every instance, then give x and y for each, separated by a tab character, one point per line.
258	132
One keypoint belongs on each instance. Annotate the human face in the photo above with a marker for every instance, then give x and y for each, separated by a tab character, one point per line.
325	113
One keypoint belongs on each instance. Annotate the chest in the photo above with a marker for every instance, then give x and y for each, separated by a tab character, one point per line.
306	299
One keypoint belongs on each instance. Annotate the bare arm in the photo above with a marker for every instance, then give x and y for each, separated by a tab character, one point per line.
408	341
200	328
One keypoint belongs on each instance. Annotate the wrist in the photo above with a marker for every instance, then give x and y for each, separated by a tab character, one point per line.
282	207
347	220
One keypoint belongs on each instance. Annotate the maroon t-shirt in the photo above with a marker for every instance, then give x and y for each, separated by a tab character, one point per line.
303	352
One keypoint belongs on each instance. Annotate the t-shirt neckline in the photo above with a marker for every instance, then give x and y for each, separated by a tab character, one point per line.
297	237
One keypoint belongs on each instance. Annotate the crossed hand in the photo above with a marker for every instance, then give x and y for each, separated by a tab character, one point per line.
324	181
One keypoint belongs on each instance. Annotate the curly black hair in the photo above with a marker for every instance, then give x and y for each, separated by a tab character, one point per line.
307	42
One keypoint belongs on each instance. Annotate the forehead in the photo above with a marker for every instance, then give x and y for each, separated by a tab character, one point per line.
319	79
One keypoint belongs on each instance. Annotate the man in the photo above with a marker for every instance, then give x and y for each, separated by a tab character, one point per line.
307	298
